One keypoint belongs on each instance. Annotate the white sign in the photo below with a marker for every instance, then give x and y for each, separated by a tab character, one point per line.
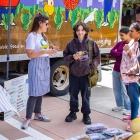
17	89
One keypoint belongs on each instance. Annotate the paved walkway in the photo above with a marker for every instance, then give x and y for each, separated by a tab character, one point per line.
57	129
57	108
102	97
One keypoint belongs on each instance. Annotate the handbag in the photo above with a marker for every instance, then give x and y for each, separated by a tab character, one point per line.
93	73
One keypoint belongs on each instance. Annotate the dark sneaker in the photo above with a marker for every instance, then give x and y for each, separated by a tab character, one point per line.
72	116
86	119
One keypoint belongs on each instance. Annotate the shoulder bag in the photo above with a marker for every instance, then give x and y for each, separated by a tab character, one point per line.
94	73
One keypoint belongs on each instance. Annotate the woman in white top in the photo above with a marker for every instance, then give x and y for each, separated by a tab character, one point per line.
38	49
129	60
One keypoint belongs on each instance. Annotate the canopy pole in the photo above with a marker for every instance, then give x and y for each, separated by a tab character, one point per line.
8	45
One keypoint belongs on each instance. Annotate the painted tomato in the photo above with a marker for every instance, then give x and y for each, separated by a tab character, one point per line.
5	3
70	4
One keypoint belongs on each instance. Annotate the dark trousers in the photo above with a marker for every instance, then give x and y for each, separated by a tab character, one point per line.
33	105
79	84
133	93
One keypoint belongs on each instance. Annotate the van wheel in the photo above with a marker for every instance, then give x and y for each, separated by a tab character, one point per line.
59	80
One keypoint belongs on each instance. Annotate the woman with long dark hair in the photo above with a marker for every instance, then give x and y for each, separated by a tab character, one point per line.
129	60
120	93
38	49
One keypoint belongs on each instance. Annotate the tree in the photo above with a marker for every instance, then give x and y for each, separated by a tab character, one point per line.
129	4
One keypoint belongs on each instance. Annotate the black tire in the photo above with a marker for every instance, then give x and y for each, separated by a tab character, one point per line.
59	81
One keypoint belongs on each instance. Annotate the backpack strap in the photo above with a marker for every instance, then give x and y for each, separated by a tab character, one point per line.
90	50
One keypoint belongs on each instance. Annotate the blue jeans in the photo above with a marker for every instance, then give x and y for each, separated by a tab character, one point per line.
120	92
133	93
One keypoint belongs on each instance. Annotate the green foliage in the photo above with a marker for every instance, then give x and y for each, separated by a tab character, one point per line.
58	18
112	18
90	9
118	15
5	20
36	7
82	13
32	11
74	16
26	20
99	18
18	10
129	4
86	15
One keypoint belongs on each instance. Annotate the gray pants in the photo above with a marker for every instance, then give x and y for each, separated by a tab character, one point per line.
33	105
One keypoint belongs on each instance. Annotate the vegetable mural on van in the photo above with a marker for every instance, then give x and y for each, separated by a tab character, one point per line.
102	16
73	12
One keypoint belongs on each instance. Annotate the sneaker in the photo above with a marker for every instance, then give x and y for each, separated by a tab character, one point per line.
25	124
127	119
118	108
127	112
42	118
86	119
72	116
128	127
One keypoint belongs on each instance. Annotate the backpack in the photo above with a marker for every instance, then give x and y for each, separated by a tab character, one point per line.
94	73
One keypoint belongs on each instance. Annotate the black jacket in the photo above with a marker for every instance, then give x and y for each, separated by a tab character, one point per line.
77	67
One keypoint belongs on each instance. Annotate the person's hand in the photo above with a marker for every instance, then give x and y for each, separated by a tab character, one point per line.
132	74
51	51
76	56
115	50
56	48
126	48
133	77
